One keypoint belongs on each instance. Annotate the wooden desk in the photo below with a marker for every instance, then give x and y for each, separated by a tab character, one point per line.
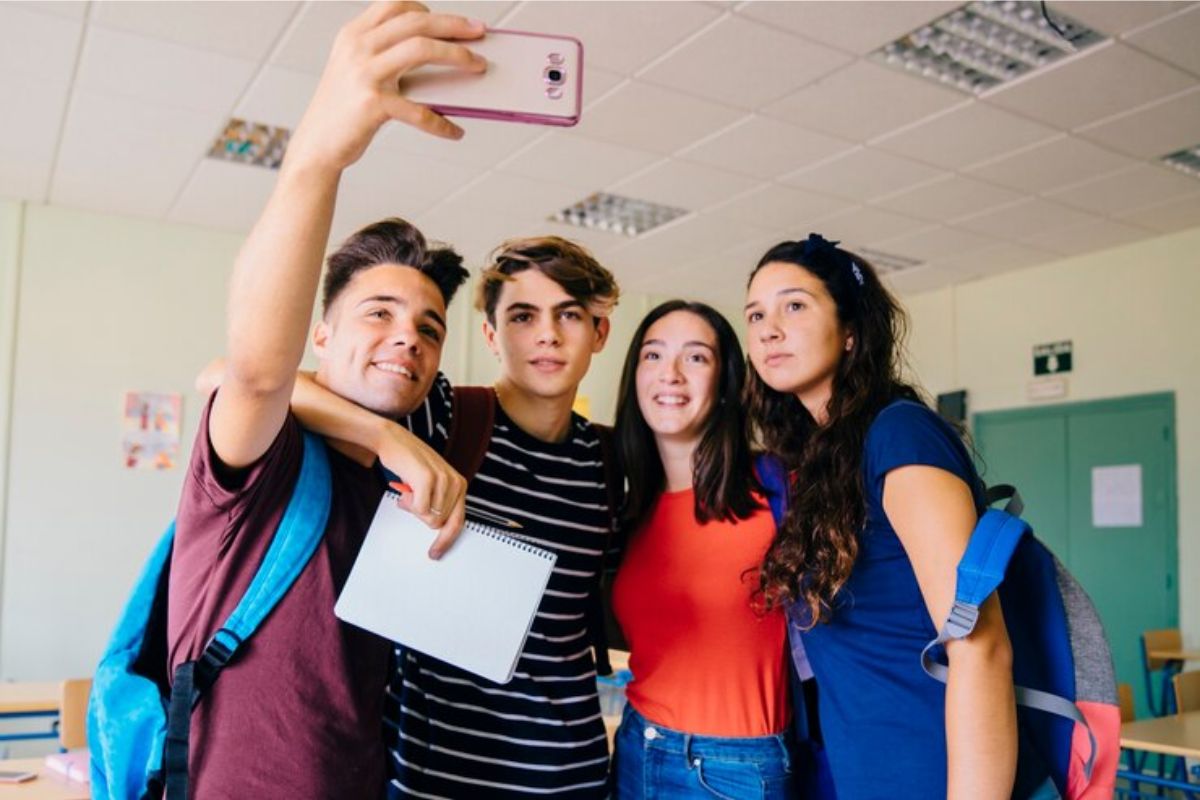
1176	735
29	698
47	786
1175	655
21	700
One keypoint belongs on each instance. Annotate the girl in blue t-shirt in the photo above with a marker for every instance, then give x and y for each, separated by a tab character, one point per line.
883	500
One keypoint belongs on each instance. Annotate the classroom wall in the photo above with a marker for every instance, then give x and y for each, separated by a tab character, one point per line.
1130	312
93	306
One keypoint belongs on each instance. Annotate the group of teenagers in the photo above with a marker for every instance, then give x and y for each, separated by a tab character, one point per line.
732	614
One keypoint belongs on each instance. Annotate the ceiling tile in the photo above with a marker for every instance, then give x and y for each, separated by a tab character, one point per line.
24	180
965	135
935	243
863	175
864	225
857	27
999	258
597	83
66	9
390	183
677	246
1026	218
37	45
277	96
484	143
949	197
726	63
566	158
1098	83
154	71
649	118
1116	18
1129	189
862	101
1175	40
780	207
124	156
1047	166
1174	215
487	11
512	202
1152	131
36	109
224	195
245	29
924	278
308	41
616	35
764	148
683	184
1089	237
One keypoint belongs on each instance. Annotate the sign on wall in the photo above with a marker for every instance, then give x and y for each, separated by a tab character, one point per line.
1052	359
150	429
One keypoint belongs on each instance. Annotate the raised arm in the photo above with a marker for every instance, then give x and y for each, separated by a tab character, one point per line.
276	274
933	514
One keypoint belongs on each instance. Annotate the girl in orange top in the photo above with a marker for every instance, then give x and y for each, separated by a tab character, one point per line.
708	707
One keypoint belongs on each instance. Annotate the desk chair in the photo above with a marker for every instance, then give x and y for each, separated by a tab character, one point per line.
72	715
1164	639
1133	759
1187	690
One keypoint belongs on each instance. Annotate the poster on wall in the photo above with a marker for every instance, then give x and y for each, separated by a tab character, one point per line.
1117	496
150	429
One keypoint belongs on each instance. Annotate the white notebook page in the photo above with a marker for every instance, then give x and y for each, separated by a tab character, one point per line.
472	608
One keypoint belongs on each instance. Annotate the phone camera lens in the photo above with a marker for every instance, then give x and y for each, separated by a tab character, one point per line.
555	76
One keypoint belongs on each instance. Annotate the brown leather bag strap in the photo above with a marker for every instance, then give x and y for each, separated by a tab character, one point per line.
472	414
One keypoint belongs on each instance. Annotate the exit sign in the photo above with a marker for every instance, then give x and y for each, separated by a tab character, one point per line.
1052	359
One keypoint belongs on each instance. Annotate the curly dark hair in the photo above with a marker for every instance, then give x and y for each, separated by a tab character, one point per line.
722	464
816	544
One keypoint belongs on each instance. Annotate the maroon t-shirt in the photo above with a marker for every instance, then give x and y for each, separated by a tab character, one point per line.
299	712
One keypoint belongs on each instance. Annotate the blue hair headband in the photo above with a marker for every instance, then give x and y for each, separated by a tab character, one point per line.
818	245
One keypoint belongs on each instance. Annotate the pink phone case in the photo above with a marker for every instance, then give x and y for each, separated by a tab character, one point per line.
517	86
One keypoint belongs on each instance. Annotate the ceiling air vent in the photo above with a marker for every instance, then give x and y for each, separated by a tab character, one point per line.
887	262
616	214
985	44
1187	160
251	143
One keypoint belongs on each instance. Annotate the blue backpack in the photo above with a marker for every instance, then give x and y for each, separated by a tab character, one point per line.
138	722
1068	717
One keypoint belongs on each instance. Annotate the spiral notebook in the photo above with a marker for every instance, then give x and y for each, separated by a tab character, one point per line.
472	608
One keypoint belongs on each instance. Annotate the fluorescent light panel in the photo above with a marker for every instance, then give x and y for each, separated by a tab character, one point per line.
1187	161
984	44
887	262
251	143
616	214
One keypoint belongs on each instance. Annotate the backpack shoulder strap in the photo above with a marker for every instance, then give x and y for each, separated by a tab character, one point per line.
980	572
291	548
472	415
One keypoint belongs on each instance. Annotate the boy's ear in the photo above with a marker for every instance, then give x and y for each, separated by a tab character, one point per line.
320	338
489	336
602	329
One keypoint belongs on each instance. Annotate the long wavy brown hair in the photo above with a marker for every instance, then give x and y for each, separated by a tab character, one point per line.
816	544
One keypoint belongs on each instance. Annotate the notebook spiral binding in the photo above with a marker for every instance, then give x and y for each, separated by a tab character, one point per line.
518	542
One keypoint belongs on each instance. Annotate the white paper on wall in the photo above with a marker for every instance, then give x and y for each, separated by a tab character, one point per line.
1117	496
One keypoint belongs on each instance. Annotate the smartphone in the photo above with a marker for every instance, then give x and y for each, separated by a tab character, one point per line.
531	77
7	776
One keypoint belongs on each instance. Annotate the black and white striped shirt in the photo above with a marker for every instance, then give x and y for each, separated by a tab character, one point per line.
452	734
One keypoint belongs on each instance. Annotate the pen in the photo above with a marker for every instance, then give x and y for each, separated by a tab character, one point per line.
471	510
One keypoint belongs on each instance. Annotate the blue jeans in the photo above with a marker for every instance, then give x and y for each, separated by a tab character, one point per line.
651	761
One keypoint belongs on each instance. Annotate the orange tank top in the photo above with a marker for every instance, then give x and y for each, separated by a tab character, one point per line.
703	660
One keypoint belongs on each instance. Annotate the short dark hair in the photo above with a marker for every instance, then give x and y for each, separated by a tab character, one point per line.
722	464
392	241
568	264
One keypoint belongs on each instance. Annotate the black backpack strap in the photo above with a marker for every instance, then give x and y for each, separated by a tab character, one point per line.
605	630
472	415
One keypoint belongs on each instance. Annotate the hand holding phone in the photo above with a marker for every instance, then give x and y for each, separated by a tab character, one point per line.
531	77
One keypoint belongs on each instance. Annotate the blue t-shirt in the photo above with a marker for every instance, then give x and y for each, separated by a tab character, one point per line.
882	717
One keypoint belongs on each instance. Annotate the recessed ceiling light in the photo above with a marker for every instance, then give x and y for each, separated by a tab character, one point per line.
616	214
887	262
1186	160
984	44
251	143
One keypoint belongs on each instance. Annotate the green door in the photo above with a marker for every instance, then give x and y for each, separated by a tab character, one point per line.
1099	484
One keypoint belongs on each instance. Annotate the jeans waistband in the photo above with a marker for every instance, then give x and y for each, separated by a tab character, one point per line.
749	748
